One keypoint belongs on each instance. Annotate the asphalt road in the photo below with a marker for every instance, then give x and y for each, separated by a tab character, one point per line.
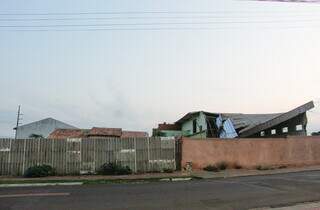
231	193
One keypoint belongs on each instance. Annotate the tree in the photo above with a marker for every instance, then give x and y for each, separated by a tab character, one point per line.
316	133
36	136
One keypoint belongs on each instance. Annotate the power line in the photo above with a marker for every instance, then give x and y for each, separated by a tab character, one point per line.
130	18
149	12
152	24
147	29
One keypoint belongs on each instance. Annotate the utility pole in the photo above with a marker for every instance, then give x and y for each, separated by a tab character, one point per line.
18	121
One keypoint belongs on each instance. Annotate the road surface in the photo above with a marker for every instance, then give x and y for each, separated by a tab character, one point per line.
231	193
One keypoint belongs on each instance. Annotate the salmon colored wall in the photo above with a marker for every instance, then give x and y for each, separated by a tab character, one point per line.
249	153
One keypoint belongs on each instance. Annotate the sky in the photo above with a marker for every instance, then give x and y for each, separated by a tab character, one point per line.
248	56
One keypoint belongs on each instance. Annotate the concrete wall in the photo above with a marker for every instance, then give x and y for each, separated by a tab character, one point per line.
76	156
249	153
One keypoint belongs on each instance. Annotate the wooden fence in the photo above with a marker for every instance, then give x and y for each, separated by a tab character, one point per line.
81	156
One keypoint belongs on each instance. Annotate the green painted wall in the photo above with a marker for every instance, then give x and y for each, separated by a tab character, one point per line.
200	135
187	127
167	133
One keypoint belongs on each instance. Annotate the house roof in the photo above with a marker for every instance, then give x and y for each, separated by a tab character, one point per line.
170	127
134	134
95	132
190	115
116	132
68	133
47	120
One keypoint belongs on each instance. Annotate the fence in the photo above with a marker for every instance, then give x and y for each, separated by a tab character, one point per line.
78	156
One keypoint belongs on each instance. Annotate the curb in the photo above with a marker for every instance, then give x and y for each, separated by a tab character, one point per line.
248	175
176	179
41	184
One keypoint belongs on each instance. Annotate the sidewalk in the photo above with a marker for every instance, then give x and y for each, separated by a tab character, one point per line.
176	176
88	179
245	172
303	206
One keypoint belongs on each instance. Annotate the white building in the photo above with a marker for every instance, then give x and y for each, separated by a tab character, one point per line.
42	128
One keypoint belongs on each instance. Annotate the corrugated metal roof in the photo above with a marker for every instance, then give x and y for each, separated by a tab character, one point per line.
249	120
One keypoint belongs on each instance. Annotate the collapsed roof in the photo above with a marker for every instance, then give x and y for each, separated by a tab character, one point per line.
248	124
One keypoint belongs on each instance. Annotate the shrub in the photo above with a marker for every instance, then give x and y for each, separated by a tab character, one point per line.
211	168
168	170
222	166
237	166
114	169
263	168
39	171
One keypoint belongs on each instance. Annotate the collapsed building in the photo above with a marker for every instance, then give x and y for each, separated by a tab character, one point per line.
203	124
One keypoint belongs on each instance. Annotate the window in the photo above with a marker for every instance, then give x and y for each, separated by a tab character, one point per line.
285	130
299	128
262	133
273	132
194	124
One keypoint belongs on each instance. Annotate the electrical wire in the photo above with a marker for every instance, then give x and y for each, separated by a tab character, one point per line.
128	18
152	24
153	29
149	12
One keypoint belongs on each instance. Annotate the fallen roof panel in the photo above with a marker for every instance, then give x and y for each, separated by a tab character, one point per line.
277	120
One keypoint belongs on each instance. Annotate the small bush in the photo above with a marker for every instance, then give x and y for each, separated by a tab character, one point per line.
222	166
154	171
168	170
263	168
39	171
237	166
212	168
114	169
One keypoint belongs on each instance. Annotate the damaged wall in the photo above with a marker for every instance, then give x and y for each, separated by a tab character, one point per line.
291	126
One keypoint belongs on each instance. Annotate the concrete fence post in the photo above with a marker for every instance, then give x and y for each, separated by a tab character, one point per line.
174	155
24	156
135	155
148	150
94	156
52	152
9	159
38	155
80	158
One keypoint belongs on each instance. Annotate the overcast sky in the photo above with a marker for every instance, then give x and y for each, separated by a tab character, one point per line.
260	57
